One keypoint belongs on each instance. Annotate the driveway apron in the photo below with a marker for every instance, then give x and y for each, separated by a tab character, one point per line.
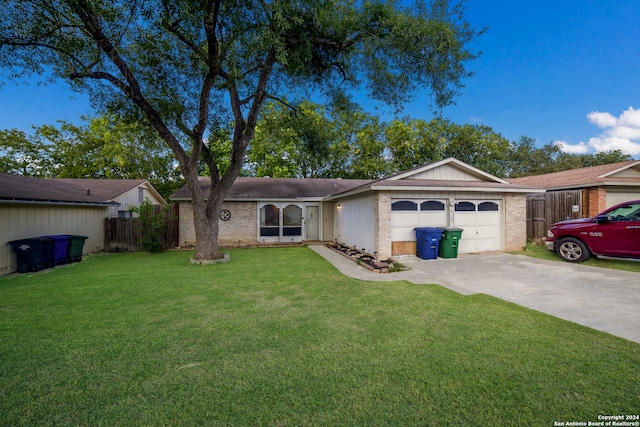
603	299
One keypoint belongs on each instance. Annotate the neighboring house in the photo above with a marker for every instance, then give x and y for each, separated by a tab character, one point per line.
377	216
126	192
599	187
32	207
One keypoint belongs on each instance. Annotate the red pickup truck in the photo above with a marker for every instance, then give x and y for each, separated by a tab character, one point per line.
612	233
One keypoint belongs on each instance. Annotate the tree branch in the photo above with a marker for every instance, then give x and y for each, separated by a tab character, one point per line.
131	88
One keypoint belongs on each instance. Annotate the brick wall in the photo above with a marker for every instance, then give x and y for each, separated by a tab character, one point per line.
515	227
597	198
240	230
382	215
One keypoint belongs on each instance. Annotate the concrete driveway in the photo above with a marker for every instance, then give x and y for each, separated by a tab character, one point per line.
603	299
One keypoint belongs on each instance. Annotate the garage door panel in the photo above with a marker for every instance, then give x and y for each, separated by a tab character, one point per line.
404	219
482	229
488	219
614	198
488	232
466	246
400	234
432	219
467	219
488	245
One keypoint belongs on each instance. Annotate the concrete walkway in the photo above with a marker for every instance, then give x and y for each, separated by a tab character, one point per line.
603	299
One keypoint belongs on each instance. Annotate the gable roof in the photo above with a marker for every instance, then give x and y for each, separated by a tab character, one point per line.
110	188
246	188
468	179
26	189
455	163
620	173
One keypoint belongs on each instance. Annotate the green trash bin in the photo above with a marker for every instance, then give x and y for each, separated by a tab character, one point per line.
75	248
449	242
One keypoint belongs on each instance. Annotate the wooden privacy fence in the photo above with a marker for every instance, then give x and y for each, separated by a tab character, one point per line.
548	208
124	234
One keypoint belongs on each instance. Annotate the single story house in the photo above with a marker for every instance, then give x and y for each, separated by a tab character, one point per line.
32	207
374	215
600	187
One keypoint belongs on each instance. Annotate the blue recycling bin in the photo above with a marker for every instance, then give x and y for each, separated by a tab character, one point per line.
60	248
427	242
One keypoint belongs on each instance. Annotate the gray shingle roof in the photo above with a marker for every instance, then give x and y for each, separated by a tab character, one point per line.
579	177
277	188
18	188
109	188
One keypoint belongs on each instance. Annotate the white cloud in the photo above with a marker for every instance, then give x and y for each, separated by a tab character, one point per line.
602	120
611	143
621	133
580	148
631	118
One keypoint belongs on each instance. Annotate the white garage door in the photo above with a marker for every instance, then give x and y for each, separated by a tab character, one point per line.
480	219
481	222
614	198
408	214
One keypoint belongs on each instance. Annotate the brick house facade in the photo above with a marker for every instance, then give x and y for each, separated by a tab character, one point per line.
374	215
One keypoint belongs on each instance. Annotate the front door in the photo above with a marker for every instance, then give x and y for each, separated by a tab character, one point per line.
312	223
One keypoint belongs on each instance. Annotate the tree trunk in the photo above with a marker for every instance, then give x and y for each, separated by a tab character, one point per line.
206	230
206	223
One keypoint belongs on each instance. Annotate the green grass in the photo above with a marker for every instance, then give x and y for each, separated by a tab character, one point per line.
279	337
537	250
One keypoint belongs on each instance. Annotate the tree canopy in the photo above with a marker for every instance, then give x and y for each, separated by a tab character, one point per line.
186	65
104	147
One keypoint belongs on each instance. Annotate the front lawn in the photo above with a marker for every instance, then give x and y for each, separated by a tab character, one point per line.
279	337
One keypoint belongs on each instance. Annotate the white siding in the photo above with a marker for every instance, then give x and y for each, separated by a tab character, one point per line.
132	198
21	221
446	172
627	173
456	195
355	222
327	209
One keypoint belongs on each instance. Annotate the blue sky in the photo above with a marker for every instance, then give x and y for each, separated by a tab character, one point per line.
557	71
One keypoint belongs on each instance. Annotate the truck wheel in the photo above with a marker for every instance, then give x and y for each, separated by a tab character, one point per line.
573	250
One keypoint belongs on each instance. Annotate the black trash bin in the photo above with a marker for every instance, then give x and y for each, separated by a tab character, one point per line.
449	243
33	254
75	248
60	248
427	242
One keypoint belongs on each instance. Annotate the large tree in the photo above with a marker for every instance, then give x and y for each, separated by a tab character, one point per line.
185	64
109	147
415	142
314	141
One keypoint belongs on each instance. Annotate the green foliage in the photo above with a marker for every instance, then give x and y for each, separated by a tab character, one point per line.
153	226
22	154
108	146
185	64
312	141
525	159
